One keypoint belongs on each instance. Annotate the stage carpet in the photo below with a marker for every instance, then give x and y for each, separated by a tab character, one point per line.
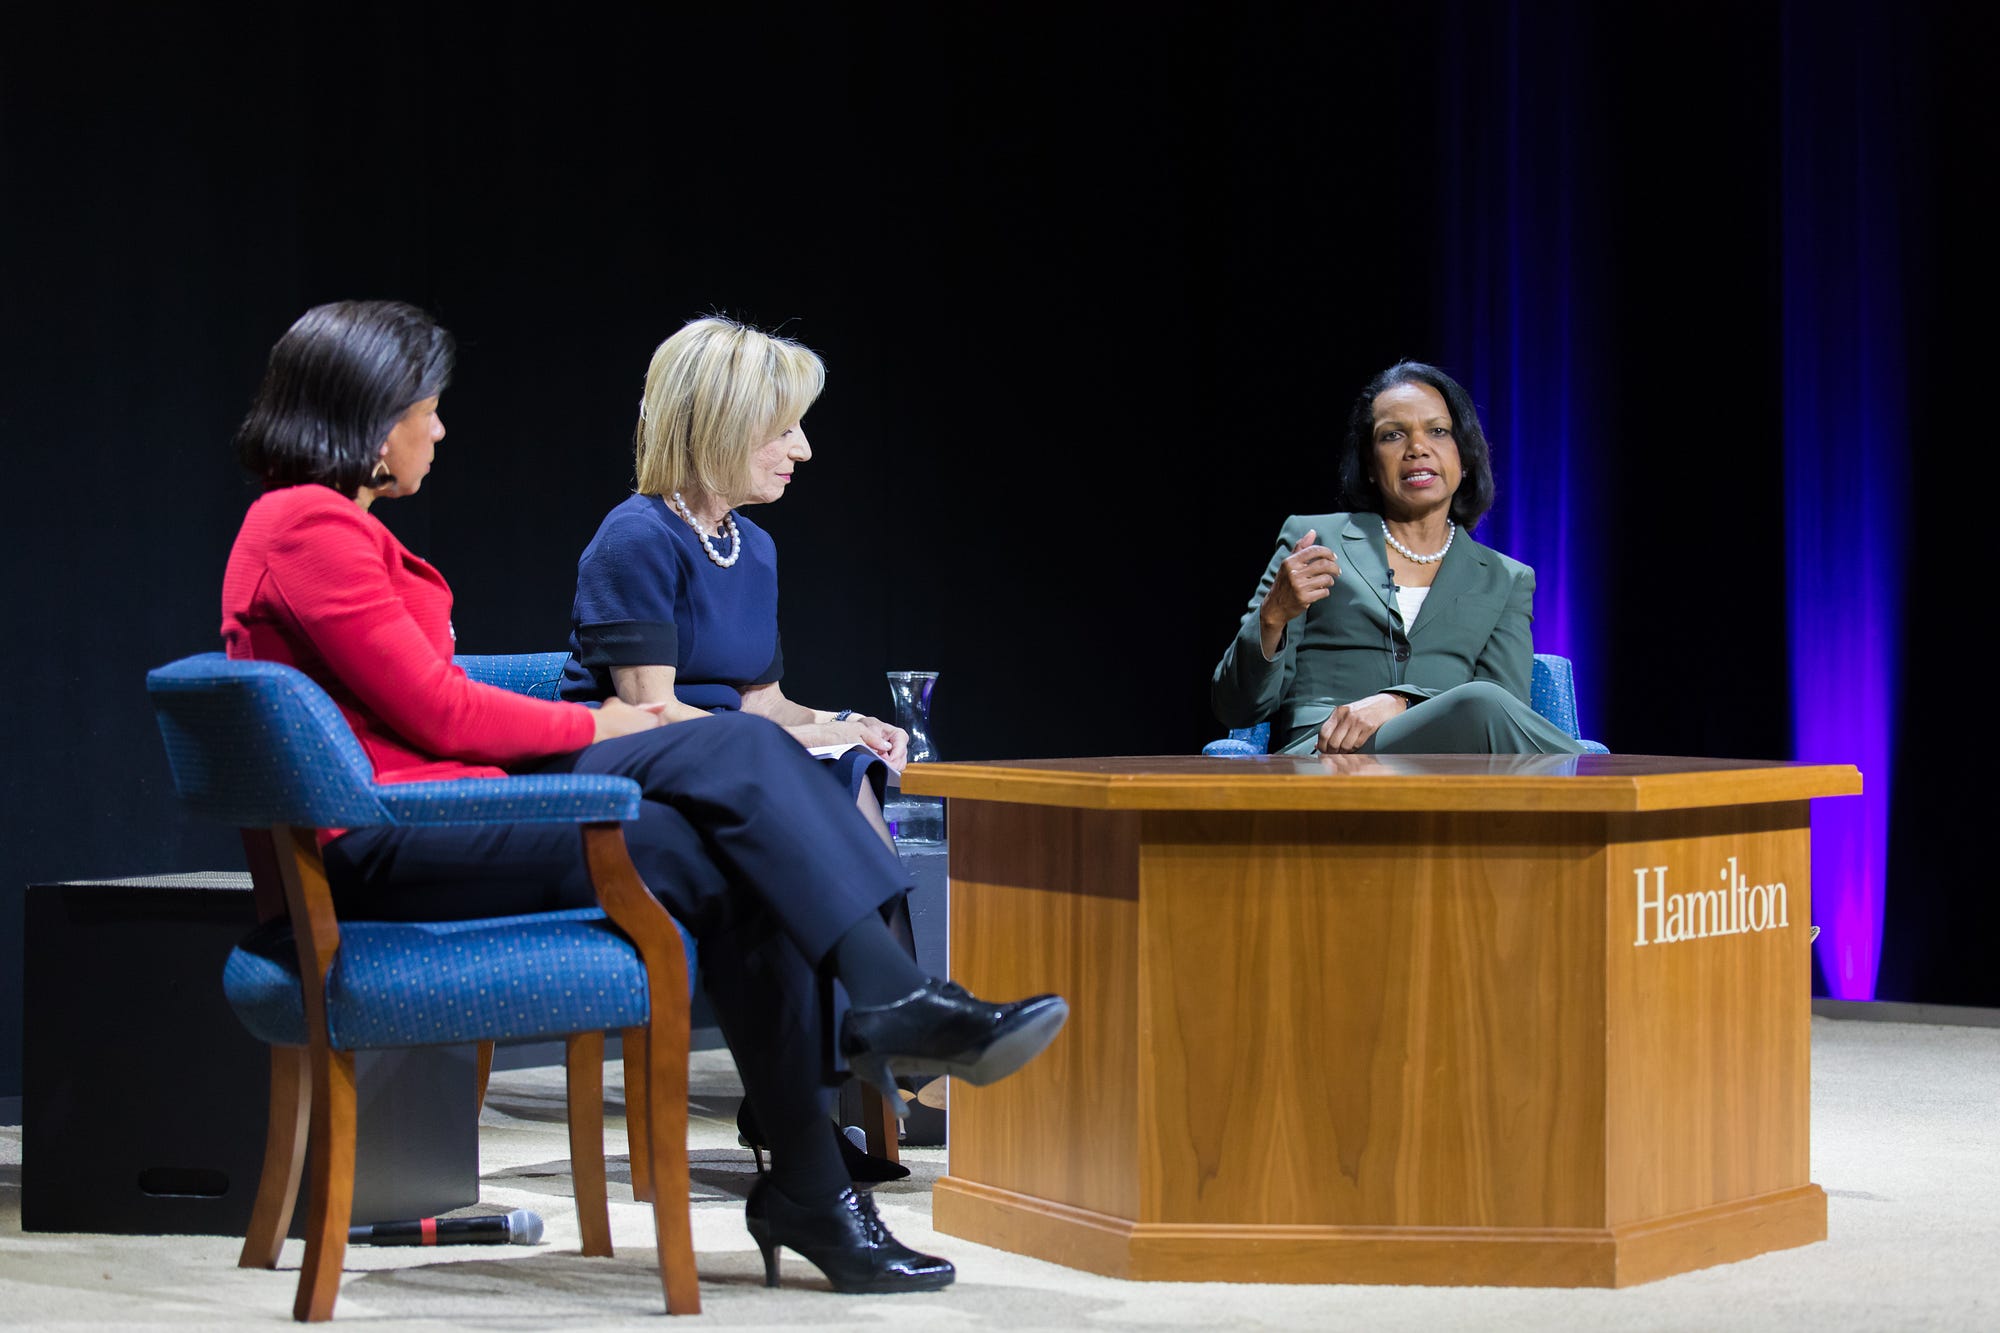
1906	1141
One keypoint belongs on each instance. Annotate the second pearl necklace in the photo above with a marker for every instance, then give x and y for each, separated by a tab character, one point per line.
728	523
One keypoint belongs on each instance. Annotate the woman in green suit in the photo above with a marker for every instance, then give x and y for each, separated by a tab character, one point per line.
1386	629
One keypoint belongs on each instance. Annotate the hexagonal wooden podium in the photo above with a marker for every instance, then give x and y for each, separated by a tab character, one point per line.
1519	1020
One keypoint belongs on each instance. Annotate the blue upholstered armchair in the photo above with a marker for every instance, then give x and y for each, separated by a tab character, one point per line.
260	746
1552	692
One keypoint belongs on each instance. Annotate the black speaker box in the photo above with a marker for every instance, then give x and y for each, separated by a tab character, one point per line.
144	1099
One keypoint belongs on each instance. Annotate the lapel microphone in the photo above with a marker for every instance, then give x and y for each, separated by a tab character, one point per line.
1399	633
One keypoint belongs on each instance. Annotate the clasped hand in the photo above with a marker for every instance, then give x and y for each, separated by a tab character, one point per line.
615	717
1350	725
891	743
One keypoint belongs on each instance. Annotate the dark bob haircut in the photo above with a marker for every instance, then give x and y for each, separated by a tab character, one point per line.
1358	492
337	383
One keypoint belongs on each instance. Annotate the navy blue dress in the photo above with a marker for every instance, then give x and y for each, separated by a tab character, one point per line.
648	595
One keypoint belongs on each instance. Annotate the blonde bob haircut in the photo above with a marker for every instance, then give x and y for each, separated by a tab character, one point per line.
715	393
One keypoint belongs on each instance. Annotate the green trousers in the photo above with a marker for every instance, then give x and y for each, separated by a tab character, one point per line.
1476	718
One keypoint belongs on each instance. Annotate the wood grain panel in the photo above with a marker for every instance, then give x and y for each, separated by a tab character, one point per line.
1430	1256
1351	1020
1047	900
1710	1058
1723	1234
1413	783
1061	1233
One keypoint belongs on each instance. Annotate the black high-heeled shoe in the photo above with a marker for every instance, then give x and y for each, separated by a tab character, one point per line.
943	1029
864	1168
844	1239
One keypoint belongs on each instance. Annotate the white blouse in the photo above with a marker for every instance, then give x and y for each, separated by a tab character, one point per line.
1410	601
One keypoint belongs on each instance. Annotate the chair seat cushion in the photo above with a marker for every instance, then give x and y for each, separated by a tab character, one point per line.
429	983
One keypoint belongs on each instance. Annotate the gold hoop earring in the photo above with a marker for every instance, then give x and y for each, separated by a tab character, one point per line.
382	479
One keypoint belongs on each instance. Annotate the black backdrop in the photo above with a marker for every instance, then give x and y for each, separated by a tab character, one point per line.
1094	284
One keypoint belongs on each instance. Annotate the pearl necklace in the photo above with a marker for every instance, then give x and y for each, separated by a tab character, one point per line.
728	522
1450	531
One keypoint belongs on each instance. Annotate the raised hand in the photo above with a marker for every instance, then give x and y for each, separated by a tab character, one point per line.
1305	576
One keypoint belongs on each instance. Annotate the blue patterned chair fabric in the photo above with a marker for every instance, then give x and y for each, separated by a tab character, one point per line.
1552	693
425	983
538	674
256	744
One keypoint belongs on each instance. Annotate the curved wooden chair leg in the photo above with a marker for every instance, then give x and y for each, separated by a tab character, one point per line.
284	1158
878	1114
332	1205
667	1160
583	1058
636	1119
878	1122
484	1058
663	1084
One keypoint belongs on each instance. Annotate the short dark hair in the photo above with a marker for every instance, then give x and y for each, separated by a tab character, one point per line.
1358	492
336	384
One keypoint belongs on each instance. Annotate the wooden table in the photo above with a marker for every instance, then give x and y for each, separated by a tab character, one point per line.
1439	1019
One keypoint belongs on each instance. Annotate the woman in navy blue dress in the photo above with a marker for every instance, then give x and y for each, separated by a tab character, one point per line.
677	594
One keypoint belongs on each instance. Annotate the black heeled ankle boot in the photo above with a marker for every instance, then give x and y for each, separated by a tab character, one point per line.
864	1168
942	1029
844	1239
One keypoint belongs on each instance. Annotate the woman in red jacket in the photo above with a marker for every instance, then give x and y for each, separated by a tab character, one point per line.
740	833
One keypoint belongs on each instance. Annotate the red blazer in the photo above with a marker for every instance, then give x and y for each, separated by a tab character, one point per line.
316	582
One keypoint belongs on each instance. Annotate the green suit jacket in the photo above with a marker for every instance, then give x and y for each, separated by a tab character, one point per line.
1353	642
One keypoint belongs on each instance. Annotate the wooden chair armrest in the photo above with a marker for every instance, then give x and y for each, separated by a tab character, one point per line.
633	908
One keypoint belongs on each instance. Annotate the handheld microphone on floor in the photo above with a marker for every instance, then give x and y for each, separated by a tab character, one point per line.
519	1227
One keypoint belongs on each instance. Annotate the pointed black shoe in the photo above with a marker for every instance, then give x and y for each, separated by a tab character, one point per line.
942	1029
844	1239
864	1168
